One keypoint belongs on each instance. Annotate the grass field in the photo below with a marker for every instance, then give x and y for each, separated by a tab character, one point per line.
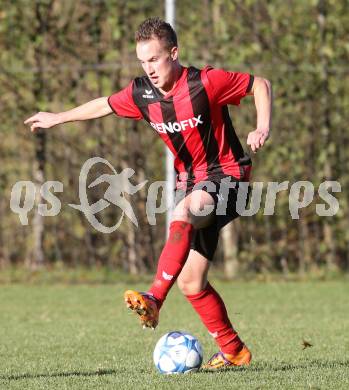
82	337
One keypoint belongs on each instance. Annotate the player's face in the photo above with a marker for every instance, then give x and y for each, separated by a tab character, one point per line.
158	62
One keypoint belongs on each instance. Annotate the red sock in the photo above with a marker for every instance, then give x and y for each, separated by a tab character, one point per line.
210	307
172	259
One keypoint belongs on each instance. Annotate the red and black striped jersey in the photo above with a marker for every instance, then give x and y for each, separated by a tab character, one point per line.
193	120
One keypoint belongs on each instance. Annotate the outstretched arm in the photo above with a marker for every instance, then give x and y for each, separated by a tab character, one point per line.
93	109
263	98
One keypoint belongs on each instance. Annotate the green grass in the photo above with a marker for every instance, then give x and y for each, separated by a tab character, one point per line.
82	337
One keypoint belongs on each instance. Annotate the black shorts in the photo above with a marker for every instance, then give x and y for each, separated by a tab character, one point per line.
225	198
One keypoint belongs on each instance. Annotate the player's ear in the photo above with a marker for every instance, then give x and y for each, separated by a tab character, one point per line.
174	53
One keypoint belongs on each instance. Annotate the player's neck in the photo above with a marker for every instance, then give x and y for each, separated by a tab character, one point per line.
177	72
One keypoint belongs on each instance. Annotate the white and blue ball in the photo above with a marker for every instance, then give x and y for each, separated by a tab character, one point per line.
177	353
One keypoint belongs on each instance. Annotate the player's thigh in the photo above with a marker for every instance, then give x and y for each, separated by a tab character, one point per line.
193	277
197	208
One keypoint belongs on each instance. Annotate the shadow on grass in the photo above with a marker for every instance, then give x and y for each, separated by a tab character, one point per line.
254	368
262	366
59	374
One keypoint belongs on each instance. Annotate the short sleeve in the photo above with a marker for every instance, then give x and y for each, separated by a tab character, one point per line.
228	87
123	105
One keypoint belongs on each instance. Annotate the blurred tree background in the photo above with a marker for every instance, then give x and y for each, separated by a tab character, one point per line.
56	54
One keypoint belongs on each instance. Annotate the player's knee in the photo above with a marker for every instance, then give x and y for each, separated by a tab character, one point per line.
181	214
189	286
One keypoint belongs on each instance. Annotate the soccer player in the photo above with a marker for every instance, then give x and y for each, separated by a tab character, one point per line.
187	108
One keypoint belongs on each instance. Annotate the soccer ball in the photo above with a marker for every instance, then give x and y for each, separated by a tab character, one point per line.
177	353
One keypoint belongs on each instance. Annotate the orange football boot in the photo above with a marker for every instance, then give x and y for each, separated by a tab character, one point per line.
222	360
145	306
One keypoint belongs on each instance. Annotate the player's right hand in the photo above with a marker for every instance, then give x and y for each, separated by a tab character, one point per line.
43	120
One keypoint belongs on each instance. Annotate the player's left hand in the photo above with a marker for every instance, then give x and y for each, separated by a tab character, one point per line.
257	138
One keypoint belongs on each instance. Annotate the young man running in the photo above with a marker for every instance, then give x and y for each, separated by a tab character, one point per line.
187	107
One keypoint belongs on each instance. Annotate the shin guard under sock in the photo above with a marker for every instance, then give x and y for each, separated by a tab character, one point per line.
211	309
172	259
